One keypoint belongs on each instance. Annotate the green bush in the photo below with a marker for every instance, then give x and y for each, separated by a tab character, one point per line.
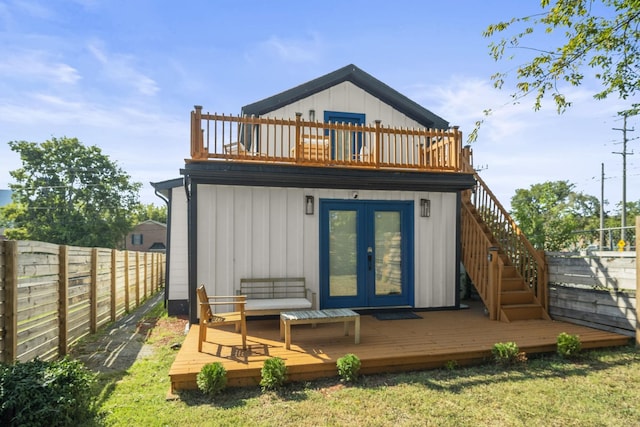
56	393
212	378
568	345
348	367
274	373
507	353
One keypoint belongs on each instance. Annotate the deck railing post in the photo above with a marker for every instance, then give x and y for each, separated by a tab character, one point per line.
298	135
543	281
197	145
457	150
376	156
493	283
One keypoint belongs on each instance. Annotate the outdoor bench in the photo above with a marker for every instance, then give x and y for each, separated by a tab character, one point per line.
271	296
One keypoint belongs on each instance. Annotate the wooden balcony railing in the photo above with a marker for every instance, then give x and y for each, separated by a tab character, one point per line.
505	239
267	140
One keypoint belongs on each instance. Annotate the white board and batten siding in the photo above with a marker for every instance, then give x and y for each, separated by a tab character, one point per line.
248	232
346	97
178	273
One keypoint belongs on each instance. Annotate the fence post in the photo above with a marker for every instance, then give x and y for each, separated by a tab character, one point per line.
11	294
93	294
146	273
137	279
153	273
114	265
63	299
126	280
637	282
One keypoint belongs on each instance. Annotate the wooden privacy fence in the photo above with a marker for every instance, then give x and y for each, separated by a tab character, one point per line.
597	290
52	295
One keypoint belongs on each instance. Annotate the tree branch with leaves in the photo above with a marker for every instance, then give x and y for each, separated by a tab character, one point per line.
599	35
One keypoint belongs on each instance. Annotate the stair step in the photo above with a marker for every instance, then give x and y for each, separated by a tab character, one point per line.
510	271
512	284
515	312
516	297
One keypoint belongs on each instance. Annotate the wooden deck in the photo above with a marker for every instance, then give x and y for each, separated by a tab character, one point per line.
466	336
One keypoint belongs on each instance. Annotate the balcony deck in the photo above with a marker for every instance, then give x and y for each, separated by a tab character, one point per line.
299	142
465	336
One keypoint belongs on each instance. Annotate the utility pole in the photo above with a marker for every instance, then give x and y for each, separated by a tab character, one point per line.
602	209
624	175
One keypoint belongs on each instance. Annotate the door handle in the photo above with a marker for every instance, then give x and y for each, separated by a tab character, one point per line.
369	257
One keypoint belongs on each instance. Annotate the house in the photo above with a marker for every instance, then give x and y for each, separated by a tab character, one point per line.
147	236
173	193
350	184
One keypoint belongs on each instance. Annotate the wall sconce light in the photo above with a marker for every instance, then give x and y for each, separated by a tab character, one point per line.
312	115
308	205
425	208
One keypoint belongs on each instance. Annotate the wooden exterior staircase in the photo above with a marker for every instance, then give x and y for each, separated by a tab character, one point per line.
508	273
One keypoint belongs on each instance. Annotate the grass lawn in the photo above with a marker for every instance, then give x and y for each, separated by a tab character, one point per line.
601	388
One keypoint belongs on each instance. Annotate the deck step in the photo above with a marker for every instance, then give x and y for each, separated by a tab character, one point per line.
512	284
521	296
513	312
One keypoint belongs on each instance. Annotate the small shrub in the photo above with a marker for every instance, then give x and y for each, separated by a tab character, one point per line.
451	365
57	393
348	367
508	353
212	379
274	373
568	345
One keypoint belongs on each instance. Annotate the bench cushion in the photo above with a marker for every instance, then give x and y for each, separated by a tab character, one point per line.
283	304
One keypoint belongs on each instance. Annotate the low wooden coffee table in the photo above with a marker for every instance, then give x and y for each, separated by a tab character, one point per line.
288	318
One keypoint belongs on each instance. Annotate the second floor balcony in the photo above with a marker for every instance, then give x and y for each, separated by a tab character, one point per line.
296	141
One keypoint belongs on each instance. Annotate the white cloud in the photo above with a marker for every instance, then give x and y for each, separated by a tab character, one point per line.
294	50
120	68
39	66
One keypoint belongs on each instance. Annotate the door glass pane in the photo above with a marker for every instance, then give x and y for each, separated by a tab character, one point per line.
342	254
388	253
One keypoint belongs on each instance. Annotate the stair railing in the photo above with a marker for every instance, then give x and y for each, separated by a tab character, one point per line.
513	246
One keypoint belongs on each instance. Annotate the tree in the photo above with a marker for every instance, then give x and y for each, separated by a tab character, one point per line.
600	35
550	213
613	224
68	193
152	212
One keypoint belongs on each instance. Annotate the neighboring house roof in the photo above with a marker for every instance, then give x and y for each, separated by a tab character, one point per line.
359	78
150	221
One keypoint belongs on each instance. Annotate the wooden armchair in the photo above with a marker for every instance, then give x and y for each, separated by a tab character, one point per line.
209	319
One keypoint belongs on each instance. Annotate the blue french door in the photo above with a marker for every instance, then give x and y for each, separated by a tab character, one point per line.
366	253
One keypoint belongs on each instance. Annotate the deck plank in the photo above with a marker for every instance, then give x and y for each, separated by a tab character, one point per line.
466	336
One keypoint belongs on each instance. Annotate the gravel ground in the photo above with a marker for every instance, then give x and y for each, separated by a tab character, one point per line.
120	344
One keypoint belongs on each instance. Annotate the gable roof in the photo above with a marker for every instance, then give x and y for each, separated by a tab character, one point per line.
359	78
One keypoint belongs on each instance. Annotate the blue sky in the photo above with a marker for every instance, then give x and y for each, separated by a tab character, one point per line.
124	75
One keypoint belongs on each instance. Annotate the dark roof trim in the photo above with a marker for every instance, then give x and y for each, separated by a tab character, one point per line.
163	188
166	185
359	78
266	175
